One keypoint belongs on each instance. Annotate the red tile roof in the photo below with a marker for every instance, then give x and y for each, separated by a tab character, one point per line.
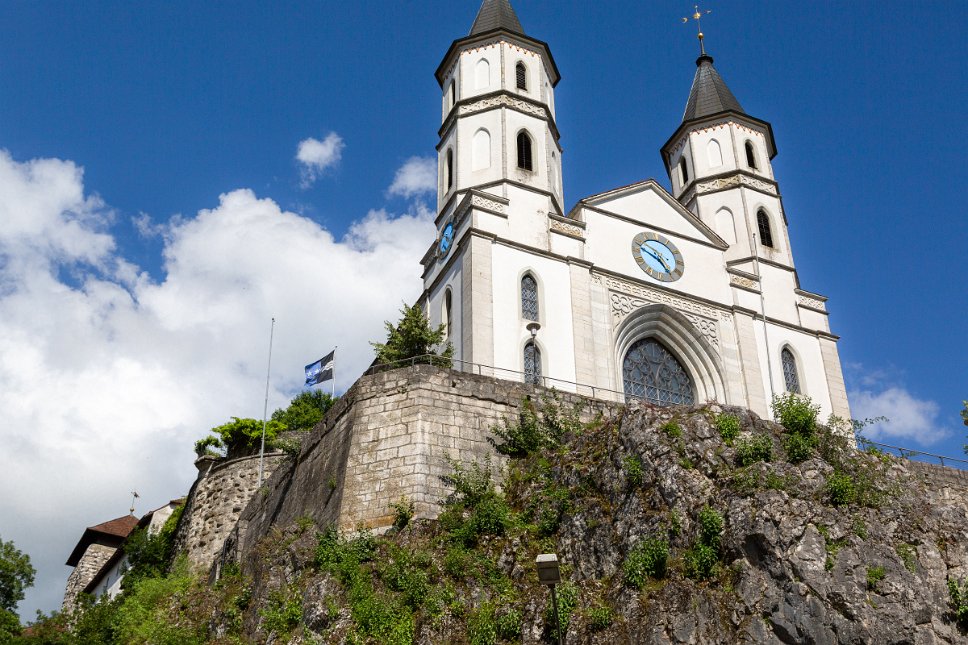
111	533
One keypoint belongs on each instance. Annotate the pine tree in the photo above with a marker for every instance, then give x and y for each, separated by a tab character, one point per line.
413	338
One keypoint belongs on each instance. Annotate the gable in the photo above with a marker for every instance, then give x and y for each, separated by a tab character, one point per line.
648	204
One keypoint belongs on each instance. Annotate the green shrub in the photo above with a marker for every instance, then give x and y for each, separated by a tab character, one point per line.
841	489
305	410
701	561
567	601
958	599
475	508
759	447
508	624
672	429
481	629
796	413
728	426
648	559
402	513
600	617
859	528
210	445
798	447
632	467
874	575
282	613
710	527
908	556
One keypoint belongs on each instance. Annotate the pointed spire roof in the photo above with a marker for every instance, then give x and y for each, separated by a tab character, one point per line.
496	14
709	94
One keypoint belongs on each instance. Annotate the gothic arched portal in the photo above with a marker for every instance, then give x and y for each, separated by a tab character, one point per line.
651	372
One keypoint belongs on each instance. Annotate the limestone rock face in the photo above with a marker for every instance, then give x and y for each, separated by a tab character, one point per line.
791	566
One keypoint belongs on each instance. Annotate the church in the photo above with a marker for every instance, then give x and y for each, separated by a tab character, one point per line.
674	296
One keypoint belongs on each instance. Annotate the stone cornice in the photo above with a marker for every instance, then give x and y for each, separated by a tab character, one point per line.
497	100
727	181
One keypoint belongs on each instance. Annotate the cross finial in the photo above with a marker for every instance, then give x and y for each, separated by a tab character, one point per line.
697	16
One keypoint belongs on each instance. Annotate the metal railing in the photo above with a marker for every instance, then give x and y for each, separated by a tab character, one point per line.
597	392
914	455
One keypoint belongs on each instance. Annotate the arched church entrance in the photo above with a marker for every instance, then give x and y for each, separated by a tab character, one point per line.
651	372
666	360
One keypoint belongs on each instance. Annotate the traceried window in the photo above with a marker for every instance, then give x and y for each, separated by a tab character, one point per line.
521	76
766	232
650	372
683	171
529	298
532	364
750	155
790	377
524	152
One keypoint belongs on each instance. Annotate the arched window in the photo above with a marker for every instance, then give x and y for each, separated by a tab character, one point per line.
524	151
715	154
725	225
446	315
790	377
683	171
529	298
521	76
532	364
763	223
481	150
482	74
452	95
650	372
449	171
750	155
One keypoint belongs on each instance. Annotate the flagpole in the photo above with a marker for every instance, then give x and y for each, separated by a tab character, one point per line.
334	370
265	407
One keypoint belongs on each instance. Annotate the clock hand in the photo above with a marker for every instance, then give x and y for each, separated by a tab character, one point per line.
658	257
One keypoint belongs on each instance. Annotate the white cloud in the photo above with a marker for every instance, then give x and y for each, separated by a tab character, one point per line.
909	419
106	382
316	156
418	175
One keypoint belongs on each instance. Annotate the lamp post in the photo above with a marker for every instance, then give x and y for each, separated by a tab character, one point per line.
549	574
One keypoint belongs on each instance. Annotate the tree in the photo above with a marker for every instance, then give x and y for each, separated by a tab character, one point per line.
305	410
413	337
16	575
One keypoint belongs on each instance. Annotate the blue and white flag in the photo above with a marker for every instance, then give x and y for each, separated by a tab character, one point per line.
321	370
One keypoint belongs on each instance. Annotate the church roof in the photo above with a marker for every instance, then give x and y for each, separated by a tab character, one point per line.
709	94
496	14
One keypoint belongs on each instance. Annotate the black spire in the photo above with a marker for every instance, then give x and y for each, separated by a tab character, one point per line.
496	14
709	94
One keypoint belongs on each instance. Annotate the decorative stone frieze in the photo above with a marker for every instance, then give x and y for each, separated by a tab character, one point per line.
566	228
743	281
480	201
811	303
503	100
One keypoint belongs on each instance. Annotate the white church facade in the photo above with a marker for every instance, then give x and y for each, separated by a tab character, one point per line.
680	297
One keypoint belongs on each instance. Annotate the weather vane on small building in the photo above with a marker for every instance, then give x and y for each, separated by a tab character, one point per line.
134	496
697	16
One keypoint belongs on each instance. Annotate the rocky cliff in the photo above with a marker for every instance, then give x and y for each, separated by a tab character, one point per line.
703	525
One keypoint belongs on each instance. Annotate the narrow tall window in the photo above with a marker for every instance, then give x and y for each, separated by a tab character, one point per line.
453	93
521	75
763	223
448	321
529	298
449	171
524	152
790	377
750	156
683	171
532	364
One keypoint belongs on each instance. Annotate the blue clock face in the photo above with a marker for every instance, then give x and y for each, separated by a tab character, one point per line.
446	238
658	256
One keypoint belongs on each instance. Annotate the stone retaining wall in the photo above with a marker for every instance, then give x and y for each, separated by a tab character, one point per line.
390	436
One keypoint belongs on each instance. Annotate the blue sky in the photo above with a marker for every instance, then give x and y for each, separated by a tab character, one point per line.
155	213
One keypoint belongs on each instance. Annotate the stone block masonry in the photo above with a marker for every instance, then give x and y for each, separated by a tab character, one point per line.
391	435
87	567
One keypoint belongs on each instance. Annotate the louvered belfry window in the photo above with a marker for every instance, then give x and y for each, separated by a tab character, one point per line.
532	364
524	151
763	223
790	377
529	298
521	76
650	372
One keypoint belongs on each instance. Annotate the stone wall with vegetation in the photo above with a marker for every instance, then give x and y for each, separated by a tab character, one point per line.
223	489
87	567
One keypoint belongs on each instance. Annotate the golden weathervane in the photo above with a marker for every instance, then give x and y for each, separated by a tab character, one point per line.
697	16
